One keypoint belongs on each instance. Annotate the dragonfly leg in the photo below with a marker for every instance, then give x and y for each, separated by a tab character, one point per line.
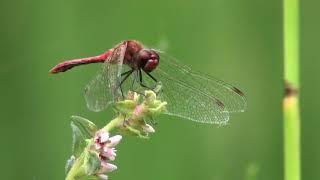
140	93
124	73
141	81
133	81
153	78
127	74
132	84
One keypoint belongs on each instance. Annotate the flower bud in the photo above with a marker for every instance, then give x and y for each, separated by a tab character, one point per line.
107	167
148	128
114	140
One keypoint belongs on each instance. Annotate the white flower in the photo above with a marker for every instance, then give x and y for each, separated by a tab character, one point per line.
104	145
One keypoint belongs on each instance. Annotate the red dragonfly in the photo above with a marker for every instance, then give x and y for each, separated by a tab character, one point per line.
130	66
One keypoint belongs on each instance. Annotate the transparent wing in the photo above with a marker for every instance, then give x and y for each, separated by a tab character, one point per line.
189	103
104	89
196	96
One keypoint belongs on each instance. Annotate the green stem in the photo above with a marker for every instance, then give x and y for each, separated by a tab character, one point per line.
118	121
76	169
291	100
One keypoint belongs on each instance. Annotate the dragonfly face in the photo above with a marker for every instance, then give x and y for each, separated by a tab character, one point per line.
147	60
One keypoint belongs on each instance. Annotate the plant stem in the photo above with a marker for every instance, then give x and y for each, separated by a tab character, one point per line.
291	99
76	168
114	123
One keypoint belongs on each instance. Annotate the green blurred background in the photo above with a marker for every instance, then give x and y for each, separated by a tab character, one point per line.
237	41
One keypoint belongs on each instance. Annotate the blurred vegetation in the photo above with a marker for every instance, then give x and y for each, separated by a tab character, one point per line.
237	41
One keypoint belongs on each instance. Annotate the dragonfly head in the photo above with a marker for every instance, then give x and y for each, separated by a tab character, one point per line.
148	59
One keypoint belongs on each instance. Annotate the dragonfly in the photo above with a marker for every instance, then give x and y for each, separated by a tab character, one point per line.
130	66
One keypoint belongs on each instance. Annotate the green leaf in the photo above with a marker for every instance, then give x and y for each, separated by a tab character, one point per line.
82	129
87	128
92	163
78	143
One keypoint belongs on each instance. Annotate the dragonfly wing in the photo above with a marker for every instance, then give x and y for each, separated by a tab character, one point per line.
196	96
104	89
189	103
233	98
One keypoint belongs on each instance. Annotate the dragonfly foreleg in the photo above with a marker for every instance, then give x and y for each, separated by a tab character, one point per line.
141	81
154	89
153	78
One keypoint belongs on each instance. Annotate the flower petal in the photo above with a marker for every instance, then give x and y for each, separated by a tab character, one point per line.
138	110
114	140
104	136
103	176
107	167
110	153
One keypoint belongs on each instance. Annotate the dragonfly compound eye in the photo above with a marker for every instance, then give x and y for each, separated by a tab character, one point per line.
149	59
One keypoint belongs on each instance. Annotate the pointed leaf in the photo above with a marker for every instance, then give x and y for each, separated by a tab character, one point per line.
78	142
87	128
